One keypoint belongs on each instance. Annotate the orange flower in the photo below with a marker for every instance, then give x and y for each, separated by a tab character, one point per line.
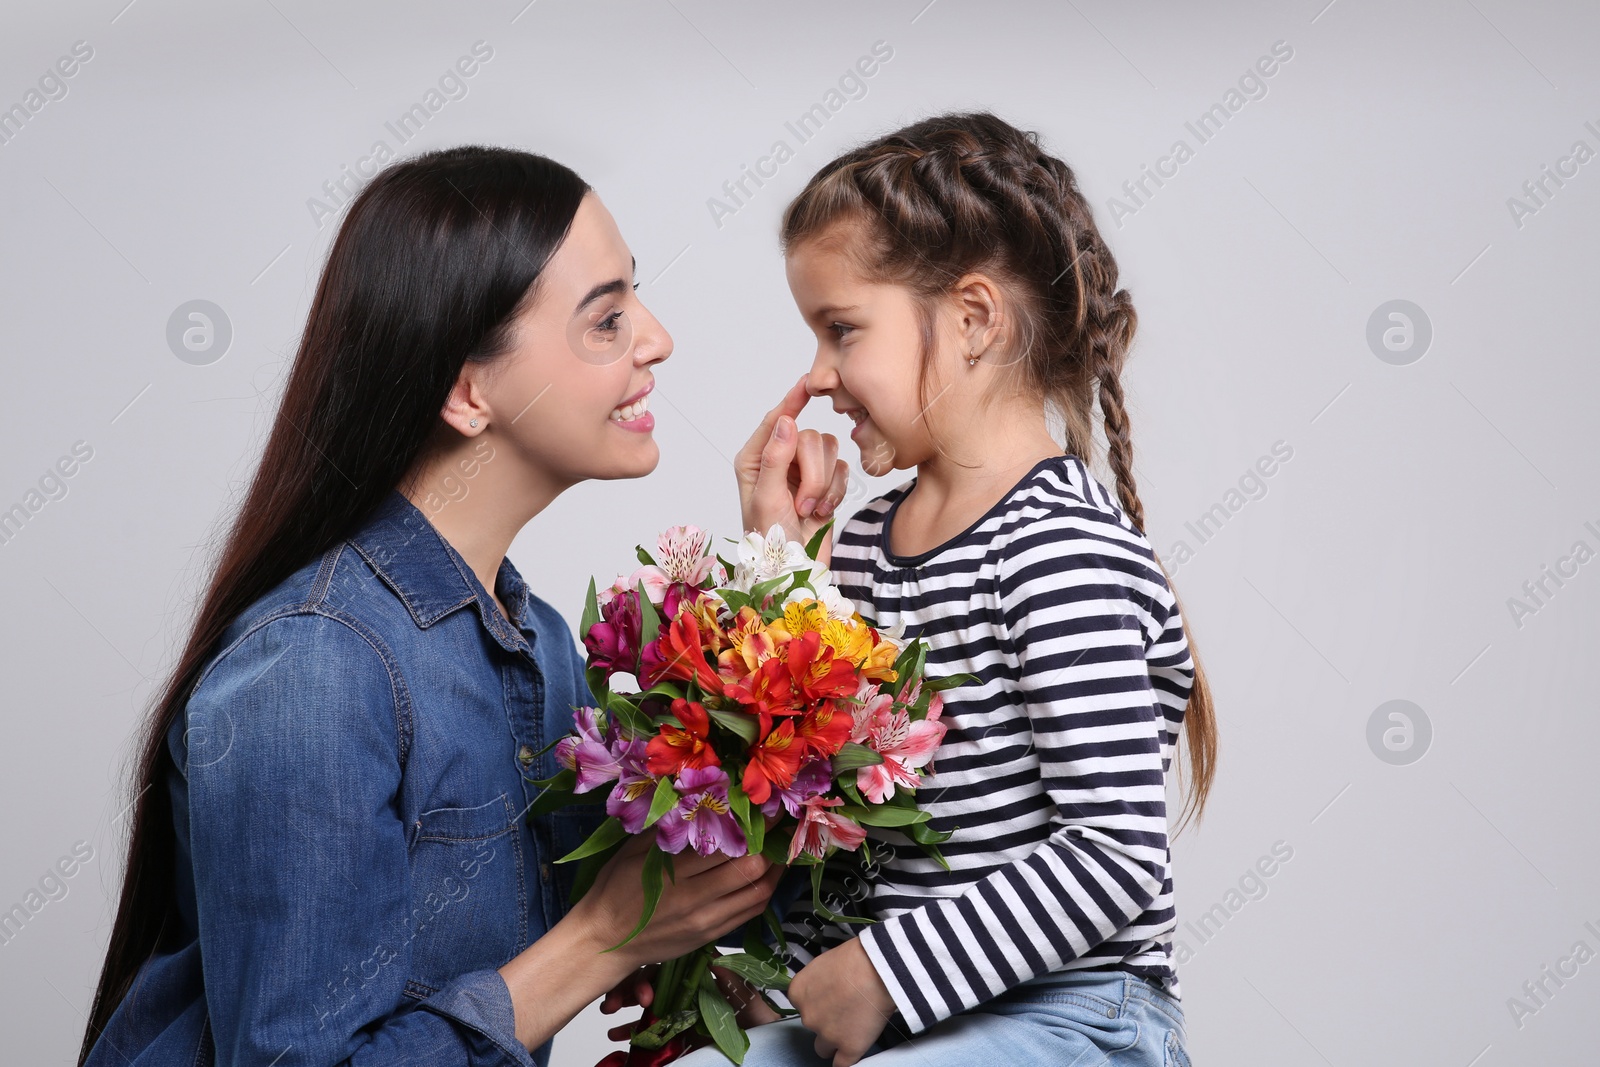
750	643
773	762
687	746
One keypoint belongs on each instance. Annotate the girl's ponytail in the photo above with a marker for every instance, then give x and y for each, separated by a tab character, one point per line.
967	193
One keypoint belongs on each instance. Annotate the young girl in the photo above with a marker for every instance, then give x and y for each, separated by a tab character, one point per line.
962	297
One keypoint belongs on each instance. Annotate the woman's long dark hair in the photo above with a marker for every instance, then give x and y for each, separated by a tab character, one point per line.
434	259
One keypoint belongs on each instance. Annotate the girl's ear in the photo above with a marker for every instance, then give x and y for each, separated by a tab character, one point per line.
981	312
466	409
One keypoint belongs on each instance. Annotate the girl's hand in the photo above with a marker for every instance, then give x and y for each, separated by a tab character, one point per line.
790	477
709	896
843	1001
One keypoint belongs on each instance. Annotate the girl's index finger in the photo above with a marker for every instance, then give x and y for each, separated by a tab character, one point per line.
793	402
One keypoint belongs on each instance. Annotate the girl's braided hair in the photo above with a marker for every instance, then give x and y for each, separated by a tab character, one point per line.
970	193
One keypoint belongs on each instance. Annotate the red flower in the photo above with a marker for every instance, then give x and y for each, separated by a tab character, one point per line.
825	728
689	746
683	655
817	674
766	691
773	762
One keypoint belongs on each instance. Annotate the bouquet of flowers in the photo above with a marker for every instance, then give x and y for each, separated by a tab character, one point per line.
762	696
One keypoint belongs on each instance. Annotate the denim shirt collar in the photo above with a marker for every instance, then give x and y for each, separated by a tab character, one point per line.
432	579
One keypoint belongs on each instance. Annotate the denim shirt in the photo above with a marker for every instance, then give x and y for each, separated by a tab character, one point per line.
353	858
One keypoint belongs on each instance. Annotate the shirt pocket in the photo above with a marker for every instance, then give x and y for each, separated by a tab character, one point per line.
469	900
568	828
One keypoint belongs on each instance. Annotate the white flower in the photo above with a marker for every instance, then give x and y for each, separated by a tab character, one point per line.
762	559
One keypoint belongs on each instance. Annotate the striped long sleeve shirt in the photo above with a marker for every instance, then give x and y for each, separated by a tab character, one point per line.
1052	774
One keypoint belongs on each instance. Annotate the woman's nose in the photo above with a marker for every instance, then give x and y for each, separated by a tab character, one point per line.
653	344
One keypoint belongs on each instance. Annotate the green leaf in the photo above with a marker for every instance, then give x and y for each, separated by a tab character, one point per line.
649	618
734	599
591	612
814	545
606	834
761	590
751	821
599	684
664	1029
847	786
827	913
883	815
644	557
761	973
775	846
737	721
651	877
852	757
665	799
718	1016
770	915
939	685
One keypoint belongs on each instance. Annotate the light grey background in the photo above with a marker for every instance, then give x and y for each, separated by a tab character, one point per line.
1378	566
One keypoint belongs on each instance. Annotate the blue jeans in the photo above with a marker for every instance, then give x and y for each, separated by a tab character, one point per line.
1065	1019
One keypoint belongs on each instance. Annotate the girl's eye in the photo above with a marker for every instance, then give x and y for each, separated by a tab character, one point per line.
839	329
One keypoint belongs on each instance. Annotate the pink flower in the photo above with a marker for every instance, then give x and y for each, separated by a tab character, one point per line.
702	818
904	746
820	829
681	558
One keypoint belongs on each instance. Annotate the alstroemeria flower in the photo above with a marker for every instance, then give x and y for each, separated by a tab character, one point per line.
825	727
686	746
819	828
630	798
773	761
819	587
769	691
613	642
683	655
814	776
762	558
904	746
590	752
702	818
817	673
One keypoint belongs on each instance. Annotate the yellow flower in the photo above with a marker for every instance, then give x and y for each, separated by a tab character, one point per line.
848	640
802	617
879	666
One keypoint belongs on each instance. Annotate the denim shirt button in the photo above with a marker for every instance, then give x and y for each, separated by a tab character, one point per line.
544	870
525	756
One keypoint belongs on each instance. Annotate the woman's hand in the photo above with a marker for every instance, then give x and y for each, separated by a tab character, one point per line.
790	477
707	897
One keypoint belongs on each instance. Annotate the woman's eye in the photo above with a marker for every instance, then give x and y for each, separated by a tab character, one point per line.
610	322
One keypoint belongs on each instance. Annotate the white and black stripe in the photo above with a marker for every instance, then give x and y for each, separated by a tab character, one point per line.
1053	771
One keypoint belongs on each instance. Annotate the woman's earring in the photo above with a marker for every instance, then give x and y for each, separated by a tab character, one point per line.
474	422
973	361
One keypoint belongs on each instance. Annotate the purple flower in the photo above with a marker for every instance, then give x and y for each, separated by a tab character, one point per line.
702	818
589	751
613	642
813	777
635	789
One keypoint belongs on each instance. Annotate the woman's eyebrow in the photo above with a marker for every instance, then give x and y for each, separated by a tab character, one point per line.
615	285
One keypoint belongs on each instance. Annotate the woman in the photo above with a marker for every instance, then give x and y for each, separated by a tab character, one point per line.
329	861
